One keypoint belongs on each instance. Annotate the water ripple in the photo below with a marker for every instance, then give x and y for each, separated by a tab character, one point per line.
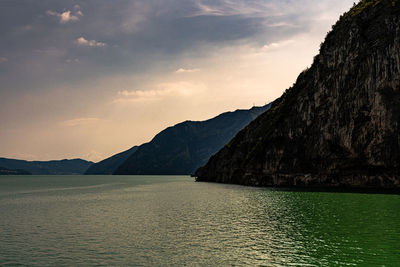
170	221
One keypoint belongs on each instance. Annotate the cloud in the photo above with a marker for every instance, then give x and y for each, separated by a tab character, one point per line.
79	122
50	51
280	24
238	46
273	46
65	16
162	91
135	15
93	43
143	93
230	8
182	70
244	8
75	60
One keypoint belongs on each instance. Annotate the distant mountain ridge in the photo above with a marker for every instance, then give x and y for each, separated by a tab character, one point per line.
109	165
5	171
182	148
53	167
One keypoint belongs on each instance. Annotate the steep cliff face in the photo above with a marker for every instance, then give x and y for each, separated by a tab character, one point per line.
339	123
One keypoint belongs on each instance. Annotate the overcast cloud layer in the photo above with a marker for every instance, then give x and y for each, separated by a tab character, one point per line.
91	78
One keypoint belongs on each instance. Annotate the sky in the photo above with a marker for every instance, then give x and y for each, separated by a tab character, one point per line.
88	79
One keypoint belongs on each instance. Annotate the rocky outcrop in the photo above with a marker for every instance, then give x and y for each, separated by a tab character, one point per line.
339	123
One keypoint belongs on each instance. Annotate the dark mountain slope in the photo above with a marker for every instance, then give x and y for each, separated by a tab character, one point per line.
54	167
5	171
109	165
339	124
181	149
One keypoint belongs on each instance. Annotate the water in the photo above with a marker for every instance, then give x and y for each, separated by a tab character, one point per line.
171	220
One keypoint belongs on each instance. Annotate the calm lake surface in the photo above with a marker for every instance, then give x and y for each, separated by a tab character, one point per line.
172	220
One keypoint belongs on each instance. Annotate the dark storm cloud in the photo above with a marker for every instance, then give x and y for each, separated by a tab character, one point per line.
44	41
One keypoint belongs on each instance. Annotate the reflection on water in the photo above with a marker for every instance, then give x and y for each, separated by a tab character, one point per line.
136	220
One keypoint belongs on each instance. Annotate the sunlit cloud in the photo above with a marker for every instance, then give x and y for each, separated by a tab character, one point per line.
65	16
280	24
79	122
182	70
273	46
162	91
230	8
93	43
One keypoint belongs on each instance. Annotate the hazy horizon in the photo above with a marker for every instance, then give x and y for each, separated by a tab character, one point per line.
88	79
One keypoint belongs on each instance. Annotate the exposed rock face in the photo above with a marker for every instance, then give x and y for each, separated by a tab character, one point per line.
339	123
182	148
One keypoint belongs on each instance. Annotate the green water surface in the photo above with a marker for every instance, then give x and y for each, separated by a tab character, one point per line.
174	221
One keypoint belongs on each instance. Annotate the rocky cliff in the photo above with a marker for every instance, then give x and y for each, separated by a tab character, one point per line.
339	123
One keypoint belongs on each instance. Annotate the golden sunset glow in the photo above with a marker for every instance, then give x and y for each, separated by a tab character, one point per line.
90	84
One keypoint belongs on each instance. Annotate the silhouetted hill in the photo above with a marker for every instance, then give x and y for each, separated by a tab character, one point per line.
5	171
339	125
109	165
182	148
55	167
